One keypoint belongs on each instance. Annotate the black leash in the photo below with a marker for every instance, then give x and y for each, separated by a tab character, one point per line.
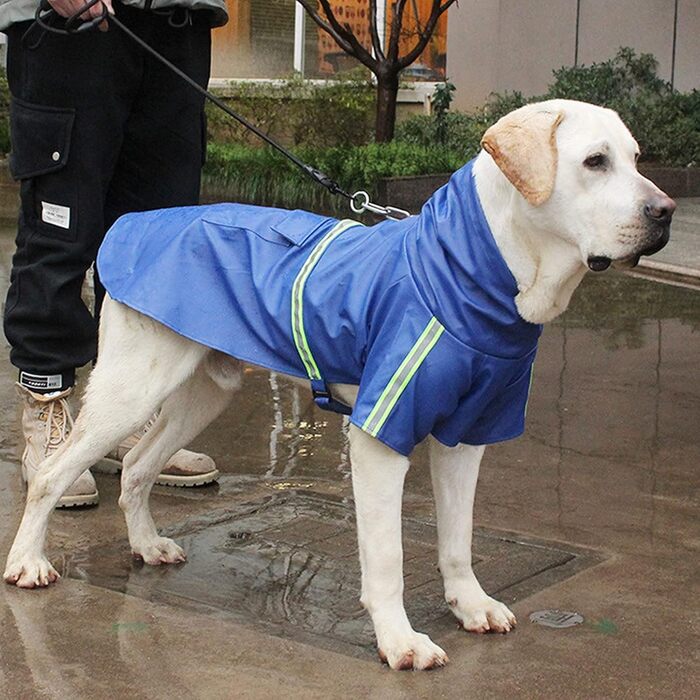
46	18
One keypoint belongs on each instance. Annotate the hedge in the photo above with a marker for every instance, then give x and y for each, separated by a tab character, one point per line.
666	123
261	175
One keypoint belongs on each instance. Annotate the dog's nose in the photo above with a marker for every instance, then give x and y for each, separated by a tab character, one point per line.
659	209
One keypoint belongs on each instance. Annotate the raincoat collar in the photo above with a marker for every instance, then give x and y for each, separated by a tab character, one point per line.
462	275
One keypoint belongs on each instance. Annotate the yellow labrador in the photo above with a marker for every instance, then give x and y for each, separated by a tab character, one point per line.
559	188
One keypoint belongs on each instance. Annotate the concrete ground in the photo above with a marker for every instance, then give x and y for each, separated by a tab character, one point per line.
608	466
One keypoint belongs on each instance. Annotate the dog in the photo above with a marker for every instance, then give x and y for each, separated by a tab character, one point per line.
426	327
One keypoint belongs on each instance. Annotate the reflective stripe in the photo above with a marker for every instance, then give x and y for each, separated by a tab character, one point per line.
529	388
393	390
298	297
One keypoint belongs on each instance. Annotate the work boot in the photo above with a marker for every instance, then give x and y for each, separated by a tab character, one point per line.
184	468
46	424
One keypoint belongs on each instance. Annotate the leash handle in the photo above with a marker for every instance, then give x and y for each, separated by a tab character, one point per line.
73	23
45	19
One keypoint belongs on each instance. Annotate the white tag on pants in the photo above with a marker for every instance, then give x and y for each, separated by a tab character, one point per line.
55	214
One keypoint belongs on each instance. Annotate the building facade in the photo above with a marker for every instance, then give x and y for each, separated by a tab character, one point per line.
482	46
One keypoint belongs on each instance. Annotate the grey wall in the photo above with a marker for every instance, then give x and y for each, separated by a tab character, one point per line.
499	45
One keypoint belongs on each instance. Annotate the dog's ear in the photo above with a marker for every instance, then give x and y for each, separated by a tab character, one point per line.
523	145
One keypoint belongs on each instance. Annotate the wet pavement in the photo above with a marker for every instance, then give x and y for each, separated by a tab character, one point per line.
605	482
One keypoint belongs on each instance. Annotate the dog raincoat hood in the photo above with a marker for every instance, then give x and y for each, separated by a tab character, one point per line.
419	313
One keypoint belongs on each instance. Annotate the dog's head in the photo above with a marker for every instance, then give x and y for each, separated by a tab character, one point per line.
575	165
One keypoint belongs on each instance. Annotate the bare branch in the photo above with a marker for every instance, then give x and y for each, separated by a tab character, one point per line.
376	41
424	37
358	51
316	17
396	22
416	12
445	6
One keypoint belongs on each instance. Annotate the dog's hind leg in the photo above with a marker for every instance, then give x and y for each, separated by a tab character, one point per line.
186	412
377	481
454	472
141	363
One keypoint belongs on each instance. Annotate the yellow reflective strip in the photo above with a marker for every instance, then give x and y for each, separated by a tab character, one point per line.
403	375
298	331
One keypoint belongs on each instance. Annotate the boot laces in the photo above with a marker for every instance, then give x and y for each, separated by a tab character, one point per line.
59	424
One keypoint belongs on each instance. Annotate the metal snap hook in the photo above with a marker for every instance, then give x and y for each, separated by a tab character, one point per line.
359	208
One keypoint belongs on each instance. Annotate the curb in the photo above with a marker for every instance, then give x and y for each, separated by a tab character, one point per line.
667	272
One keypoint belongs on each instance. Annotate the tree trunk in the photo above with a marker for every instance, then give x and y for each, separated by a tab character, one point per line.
387	93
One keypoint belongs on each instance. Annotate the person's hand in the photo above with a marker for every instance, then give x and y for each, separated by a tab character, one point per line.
66	8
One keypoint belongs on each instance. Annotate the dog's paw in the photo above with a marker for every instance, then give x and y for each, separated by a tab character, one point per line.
483	614
161	550
30	572
412	652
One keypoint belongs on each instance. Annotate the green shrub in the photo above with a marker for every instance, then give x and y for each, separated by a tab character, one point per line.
499	104
461	133
667	130
625	76
666	123
298	112
262	176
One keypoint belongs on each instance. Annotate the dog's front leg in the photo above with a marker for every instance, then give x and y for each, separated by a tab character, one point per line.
454	472
377	479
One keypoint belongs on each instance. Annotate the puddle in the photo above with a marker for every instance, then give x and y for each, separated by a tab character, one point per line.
289	563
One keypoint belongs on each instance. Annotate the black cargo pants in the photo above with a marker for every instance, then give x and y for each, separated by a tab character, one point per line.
98	129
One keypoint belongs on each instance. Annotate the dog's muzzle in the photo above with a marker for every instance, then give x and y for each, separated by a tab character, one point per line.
659	212
660	243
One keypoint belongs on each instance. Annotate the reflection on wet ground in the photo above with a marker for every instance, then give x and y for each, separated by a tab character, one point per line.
288	563
608	463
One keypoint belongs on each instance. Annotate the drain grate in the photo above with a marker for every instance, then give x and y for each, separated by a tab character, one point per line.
559	619
289	563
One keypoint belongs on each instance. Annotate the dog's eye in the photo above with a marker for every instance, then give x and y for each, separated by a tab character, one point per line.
597	161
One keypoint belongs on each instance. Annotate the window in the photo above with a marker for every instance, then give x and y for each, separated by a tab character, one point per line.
273	38
431	63
257	42
323	58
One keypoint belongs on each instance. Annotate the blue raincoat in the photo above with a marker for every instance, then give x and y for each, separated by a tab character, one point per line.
420	313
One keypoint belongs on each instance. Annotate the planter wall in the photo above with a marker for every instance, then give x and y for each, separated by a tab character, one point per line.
675	182
409	193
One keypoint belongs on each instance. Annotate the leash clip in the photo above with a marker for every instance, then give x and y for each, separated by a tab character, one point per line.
360	203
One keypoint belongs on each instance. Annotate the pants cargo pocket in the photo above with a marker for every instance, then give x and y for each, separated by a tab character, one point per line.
41	138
